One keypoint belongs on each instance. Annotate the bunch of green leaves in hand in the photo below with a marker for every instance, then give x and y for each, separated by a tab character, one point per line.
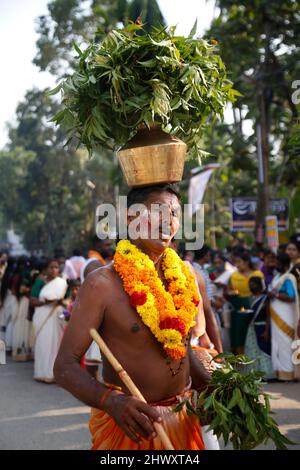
235	406
130	79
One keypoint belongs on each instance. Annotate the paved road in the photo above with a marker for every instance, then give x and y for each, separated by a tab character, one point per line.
40	416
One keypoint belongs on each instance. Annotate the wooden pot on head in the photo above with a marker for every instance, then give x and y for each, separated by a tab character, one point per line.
152	157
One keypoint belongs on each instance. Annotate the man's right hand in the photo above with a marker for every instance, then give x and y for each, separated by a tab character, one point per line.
132	415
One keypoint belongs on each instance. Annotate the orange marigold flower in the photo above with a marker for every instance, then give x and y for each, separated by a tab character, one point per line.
175	353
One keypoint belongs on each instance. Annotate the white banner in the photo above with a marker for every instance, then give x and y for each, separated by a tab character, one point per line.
197	188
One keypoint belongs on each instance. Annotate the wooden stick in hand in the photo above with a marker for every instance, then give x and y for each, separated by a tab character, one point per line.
129	384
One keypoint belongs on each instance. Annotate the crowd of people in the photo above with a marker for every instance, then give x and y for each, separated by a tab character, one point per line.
252	293
36	301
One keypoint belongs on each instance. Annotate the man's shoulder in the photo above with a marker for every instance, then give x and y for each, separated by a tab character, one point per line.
103	275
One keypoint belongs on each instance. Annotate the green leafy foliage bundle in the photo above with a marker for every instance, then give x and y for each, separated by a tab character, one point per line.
132	78
235	406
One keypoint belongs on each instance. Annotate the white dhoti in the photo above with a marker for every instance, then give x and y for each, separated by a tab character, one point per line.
210	439
93	356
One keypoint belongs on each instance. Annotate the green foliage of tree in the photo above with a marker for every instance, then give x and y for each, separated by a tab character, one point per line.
56	205
70	21
43	184
259	43
44	190
14	166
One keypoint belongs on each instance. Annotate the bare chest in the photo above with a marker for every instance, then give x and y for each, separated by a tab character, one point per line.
133	342
122	321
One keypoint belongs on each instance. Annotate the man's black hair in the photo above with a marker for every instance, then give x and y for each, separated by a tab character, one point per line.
199	254
218	254
140	195
268	252
284	260
73	283
258	281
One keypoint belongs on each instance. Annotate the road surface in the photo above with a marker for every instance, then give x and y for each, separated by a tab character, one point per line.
40	416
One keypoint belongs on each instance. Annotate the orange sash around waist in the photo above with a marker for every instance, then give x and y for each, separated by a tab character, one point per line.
184	431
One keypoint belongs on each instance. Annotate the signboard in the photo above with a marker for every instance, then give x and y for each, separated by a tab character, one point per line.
243	210
272	232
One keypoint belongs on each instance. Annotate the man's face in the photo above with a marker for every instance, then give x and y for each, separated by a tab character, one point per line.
160	221
206	258
270	261
219	264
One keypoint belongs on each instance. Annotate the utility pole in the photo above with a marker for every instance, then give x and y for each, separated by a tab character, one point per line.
263	196
264	100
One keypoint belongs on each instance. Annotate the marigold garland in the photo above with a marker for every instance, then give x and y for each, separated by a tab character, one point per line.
168	313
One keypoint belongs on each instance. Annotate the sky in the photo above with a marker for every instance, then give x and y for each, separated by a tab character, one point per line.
18	38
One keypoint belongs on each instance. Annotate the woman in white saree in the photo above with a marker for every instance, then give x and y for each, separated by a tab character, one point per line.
8	304
48	327
284	309
20	340
10	312
11	306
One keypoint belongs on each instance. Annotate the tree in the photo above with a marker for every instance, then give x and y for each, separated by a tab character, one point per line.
14	166
57	204
72	21
258	42
55	199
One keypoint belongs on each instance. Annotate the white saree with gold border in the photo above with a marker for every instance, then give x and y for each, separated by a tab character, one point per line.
284	320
